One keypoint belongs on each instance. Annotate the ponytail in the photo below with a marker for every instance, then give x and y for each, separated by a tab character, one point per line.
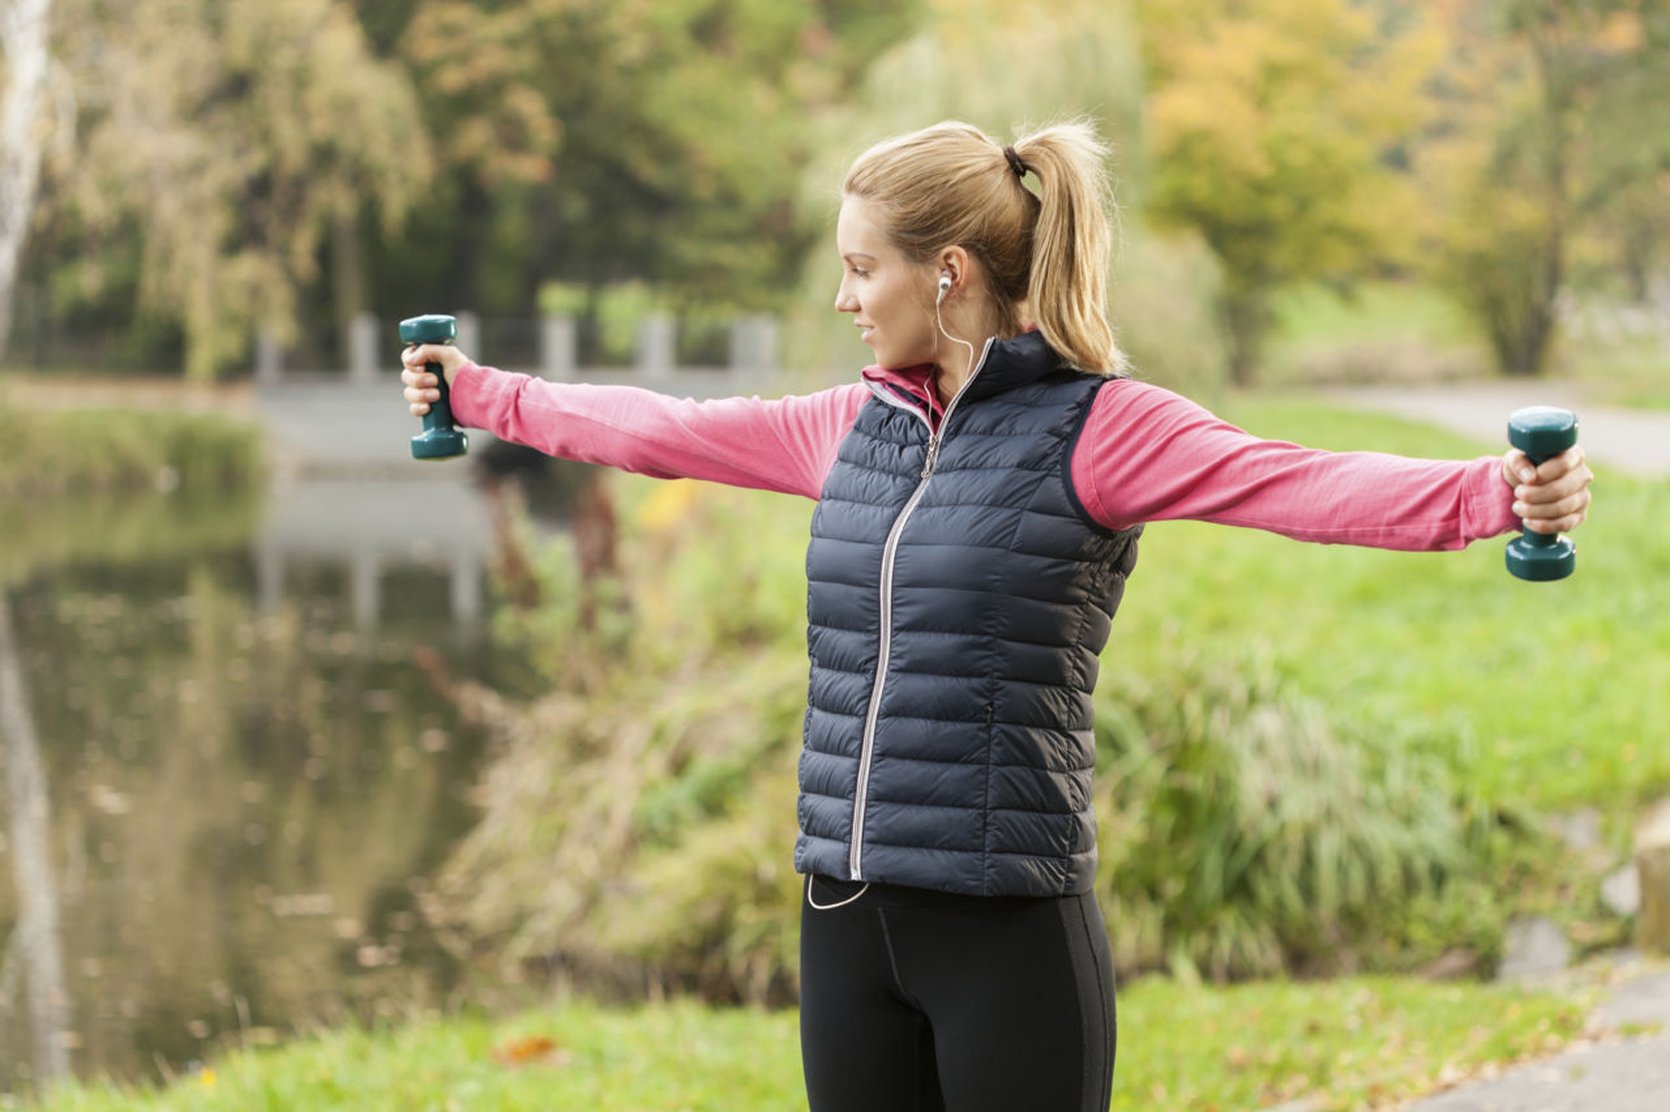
953	184
1072	247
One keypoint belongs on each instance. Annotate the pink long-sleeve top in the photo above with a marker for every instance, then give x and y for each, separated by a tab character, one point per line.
1145	454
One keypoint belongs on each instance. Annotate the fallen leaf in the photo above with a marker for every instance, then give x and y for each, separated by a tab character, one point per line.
529	1050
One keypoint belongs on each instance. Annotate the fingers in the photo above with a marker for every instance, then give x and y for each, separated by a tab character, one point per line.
1555	466
1555	517
422	387
1557	500
417	357
1557	525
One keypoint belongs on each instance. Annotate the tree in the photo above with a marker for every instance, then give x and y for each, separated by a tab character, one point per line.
589	141
1530	160
234	134
1275	132
23	39
1625	184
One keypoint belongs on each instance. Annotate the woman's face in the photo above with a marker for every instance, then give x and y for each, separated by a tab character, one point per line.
891	299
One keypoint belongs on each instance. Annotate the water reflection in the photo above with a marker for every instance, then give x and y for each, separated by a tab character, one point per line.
34	960
246	777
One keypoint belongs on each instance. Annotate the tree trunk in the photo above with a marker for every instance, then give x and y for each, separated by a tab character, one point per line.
23	39
1523	348
349	289
35	937
1246	317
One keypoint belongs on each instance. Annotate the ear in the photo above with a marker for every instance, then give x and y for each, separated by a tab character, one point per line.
955	262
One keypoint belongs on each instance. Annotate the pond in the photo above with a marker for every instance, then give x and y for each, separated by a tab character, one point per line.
241	768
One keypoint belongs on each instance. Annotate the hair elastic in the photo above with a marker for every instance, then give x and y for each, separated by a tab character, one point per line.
1020	168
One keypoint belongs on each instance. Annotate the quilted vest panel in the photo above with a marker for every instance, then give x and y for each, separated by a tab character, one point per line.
955	623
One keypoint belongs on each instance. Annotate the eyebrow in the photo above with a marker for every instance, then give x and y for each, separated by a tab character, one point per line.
851	255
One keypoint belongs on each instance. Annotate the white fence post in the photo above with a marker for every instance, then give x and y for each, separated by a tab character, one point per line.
469	334
559	348
269	357
754	344
657	350
362	348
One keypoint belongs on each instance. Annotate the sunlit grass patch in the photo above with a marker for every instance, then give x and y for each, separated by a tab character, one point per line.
1353	1043
1345	1043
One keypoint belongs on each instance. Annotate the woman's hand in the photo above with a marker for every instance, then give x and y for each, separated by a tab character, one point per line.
421	387
1553	497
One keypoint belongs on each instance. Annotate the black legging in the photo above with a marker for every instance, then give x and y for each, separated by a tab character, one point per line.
912	1001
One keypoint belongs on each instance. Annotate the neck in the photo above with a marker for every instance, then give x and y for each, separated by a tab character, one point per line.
956	363
951	374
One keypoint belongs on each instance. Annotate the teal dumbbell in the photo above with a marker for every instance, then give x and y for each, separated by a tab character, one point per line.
1542	432
439	439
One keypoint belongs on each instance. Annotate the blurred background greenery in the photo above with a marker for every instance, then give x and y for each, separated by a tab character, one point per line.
209	167
1353	774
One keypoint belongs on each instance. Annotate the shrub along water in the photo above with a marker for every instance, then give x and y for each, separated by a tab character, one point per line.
637	826
99	451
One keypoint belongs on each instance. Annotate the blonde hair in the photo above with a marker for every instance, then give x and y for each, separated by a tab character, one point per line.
952	184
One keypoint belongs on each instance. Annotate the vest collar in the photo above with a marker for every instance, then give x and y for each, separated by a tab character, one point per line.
1015	362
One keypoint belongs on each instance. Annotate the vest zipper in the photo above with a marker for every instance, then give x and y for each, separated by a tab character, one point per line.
889	553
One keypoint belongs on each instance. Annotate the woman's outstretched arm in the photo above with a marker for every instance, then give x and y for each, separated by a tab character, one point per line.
1147	454
782	444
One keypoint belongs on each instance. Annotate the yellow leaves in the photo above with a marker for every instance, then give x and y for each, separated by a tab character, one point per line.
1184	117
489	62
1621	33
1268	124
669	507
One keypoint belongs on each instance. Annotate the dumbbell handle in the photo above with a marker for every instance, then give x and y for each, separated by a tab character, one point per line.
1541	432
439	439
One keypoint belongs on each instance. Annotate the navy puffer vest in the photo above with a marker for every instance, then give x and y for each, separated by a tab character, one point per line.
959	598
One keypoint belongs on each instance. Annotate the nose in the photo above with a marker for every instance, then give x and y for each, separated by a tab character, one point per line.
845	302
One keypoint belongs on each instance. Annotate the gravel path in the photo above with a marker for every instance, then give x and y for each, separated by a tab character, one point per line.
1607	1074
1633	440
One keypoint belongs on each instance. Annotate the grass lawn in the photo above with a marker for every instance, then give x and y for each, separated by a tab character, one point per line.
1554	695
1346	1043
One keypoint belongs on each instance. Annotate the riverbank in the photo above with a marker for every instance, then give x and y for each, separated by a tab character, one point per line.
69	444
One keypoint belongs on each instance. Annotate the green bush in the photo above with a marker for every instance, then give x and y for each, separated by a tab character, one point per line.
1245	831
636	827
101	451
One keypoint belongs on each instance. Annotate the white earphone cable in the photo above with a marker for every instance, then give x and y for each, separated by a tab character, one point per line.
839	903
940	321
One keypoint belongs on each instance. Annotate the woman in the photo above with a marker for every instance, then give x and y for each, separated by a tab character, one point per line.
980	491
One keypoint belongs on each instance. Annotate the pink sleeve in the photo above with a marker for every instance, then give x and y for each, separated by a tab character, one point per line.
785	444
1147	454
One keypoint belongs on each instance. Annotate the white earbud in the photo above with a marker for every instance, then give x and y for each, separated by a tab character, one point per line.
945	288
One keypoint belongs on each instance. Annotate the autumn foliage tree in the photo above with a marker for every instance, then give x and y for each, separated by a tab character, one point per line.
1275	131
659	142
228	135
1548	104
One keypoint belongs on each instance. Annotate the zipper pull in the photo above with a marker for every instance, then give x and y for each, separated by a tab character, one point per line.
933	453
